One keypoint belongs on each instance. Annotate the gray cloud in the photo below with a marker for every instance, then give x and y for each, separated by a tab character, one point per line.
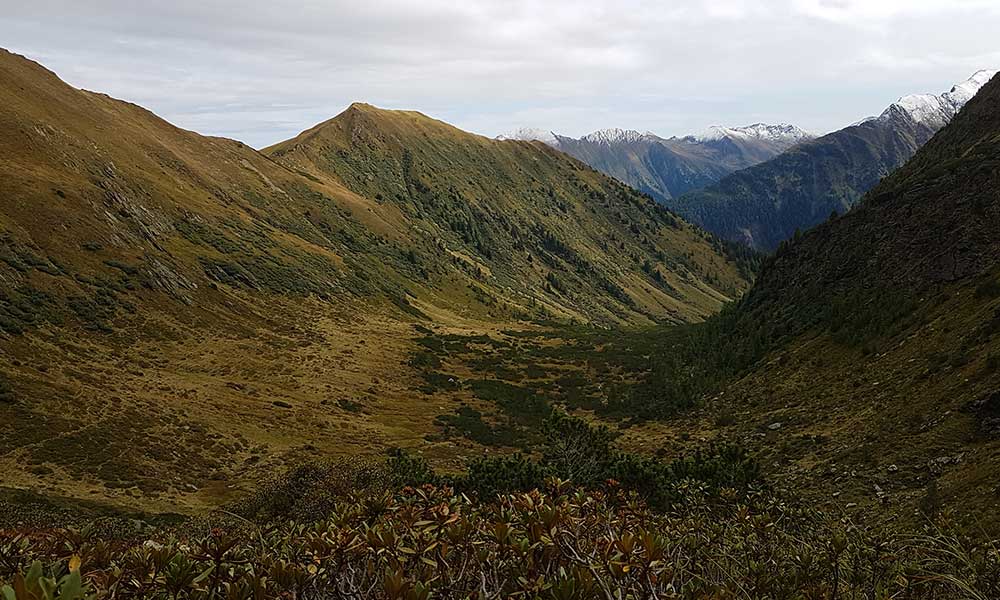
262	71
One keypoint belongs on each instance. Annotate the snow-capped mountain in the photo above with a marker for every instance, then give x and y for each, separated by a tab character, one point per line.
766	203
782	132
936	110
615	135
530	134
667	167
761	182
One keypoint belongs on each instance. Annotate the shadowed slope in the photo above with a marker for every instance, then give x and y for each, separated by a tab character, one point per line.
872	341
766	204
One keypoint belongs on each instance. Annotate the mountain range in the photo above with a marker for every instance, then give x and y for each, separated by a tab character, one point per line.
665	168
877	337
765	204
388	358
183	315
758	185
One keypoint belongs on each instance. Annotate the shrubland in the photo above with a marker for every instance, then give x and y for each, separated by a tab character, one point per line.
397	530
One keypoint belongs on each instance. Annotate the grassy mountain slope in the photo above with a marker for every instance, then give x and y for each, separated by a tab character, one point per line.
180	314
765	204
862	366
929	224
524	217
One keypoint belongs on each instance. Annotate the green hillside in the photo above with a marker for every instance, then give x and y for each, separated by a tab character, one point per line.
868	347
522	217
181	315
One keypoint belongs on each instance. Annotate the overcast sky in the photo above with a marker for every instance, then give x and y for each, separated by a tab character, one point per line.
262	70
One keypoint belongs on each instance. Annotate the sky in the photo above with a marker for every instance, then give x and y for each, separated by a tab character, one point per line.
263	70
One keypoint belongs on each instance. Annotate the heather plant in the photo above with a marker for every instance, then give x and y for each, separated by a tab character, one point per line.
584	454
516	526
562	542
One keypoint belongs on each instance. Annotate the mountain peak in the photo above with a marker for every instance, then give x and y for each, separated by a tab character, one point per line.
936	110
615	135
531	134
762	131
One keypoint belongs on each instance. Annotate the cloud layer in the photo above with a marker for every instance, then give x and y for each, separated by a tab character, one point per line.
262	71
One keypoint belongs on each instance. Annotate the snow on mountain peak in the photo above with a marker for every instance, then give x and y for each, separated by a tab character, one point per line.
936	110
782	132
529	134
616	136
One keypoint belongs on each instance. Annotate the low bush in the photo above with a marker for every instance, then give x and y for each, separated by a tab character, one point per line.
557	543
585	456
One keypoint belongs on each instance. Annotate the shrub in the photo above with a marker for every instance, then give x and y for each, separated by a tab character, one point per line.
6	392
489	477
585	456
989	289
725	417
561	543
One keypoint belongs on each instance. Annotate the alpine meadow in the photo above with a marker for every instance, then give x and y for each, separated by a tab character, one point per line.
544	301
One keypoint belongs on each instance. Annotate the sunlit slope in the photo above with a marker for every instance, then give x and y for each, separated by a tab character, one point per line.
180	314
528	221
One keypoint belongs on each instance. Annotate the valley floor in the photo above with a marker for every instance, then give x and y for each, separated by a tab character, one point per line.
191	418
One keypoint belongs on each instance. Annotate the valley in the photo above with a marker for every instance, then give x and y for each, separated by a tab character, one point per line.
391	358
183	315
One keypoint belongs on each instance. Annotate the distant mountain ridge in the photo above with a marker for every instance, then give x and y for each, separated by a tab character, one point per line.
615	135
938	110
781	133
528	134
767	203
668	167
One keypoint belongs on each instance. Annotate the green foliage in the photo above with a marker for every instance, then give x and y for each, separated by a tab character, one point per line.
575	451
861	316
23	308
469	422
988	289
309	492
350	405
407	469
555	282
35	585
425	360
492	476
417	543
